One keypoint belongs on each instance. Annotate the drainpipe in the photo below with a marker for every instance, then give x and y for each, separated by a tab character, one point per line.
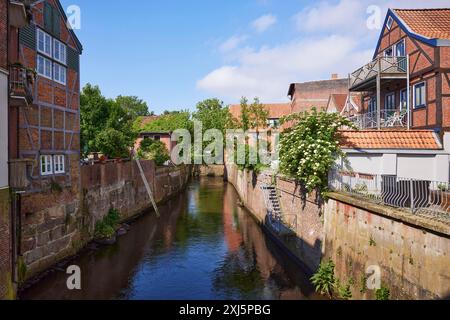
408	92
379	98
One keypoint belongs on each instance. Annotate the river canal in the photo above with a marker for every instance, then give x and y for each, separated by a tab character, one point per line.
204	246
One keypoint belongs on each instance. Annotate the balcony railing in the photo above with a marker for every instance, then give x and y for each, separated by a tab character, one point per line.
389	119
428	198
21	82
385	66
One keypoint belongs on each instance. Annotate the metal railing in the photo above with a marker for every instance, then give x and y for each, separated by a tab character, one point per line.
382	65
390	118
20	83
416	196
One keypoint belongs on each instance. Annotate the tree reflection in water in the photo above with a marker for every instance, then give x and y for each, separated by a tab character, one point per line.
203	247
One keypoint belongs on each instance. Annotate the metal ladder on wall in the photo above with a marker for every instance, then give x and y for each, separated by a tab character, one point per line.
275	216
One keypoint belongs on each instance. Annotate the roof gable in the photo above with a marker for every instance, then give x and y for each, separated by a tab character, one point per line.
57	5
430	26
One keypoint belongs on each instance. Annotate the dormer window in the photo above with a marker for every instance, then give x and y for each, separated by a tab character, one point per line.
390	22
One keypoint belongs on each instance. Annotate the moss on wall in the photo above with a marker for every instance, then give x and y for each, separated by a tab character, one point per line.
8	292
10	288
4	204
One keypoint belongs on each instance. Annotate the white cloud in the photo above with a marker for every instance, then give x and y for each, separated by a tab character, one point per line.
263	23
333	38
232	43
266	73
323	16
350	16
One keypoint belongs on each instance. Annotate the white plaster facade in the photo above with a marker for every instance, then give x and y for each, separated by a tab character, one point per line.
430	165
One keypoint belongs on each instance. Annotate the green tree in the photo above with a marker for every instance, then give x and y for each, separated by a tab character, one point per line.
106	124
245	115
113	143
134	106
170	122
258	115
154	150
94	109
213	115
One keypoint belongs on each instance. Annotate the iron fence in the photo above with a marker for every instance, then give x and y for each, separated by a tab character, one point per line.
431	198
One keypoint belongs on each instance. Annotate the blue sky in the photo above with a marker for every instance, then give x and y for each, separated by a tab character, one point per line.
174	53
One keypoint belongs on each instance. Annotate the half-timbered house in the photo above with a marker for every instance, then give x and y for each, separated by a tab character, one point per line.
44	134
408	82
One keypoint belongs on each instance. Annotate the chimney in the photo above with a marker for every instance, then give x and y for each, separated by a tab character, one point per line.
334	76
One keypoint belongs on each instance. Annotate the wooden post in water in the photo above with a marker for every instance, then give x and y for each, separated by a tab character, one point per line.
147	187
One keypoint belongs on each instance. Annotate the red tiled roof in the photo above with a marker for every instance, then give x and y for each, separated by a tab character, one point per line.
390	139
339	101
431	23
276	110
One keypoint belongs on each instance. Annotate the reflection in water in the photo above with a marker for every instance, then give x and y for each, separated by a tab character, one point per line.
202	247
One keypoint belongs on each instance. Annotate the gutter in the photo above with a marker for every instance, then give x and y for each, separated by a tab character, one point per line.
398	151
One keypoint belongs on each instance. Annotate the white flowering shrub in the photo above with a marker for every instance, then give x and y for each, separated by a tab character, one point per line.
311	146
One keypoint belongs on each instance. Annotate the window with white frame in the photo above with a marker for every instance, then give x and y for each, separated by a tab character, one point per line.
59	51
420	95
389	103
59	164
46	165
44	43
403	99
55	49
59	73
273	123
400	49
390	22
44	67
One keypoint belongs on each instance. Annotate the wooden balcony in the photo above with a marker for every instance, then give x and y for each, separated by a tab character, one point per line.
21	82
365	78
19	173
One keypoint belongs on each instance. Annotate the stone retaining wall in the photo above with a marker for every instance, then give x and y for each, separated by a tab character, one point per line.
6	286
53	233
209	170
412	253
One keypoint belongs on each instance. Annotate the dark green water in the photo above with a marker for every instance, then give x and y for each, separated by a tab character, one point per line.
203	247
